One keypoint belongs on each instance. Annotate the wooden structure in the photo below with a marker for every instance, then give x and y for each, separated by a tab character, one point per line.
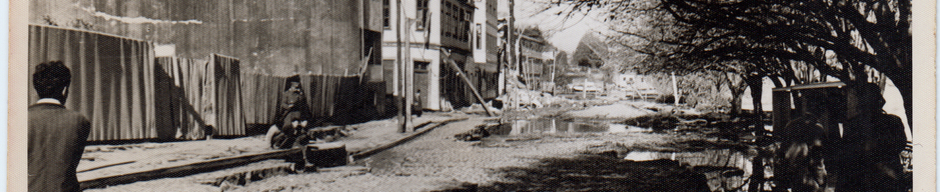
827	100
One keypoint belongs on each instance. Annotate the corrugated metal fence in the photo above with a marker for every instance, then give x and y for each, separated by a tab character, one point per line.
179	81
225	105
111	78
261	93
196	93
128	93
337	99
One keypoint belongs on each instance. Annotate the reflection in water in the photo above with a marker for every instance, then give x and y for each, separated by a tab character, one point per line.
725	169
558	126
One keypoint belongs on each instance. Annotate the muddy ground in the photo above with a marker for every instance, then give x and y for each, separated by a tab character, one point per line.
533	162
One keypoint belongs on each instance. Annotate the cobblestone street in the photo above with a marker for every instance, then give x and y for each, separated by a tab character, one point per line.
437	161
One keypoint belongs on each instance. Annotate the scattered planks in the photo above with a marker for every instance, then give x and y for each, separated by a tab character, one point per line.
185	170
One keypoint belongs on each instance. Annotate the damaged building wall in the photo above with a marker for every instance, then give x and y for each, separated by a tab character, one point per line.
280	36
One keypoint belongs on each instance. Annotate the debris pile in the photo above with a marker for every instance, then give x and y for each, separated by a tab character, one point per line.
523	98
475	134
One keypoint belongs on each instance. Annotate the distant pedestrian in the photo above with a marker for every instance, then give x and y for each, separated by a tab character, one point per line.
56	135
417	108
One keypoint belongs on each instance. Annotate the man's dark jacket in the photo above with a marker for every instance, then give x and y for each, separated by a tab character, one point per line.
56	141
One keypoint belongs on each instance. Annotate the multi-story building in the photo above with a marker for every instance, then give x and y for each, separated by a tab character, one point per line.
430	27
536	58
485	48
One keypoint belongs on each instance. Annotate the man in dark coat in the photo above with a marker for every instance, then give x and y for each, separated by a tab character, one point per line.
292	116
56	135
873	142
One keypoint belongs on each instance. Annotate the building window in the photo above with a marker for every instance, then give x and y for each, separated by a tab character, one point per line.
446	8
454	10
421	67
422	14
385	13
479	36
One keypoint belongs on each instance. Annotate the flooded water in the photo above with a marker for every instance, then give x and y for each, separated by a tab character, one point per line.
560	126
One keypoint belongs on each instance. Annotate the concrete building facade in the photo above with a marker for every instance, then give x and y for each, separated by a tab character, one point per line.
486	47
432	25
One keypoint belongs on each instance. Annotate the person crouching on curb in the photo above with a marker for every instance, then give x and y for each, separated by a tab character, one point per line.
292	117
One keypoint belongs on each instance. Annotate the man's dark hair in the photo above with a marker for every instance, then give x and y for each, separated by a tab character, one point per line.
51	78
295	78
872	94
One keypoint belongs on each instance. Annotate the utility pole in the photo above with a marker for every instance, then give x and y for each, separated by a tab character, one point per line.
509	31
511	51
399	63
409	77
554	62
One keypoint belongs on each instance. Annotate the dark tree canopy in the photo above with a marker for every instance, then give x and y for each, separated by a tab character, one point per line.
768	38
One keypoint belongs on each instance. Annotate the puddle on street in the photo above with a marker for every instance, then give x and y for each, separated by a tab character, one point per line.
725	169
559	126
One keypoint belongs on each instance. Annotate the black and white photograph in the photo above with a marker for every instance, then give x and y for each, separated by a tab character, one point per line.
475	95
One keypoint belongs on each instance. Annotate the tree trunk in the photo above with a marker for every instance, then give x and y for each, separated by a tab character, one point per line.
722	78
735	104
737	89
756	85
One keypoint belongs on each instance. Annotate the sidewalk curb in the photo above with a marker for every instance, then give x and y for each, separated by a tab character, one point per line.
427	127
235	161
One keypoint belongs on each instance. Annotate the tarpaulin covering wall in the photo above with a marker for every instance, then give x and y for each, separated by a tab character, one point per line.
225	102
261	93
336	99
111	78
180	85
198	93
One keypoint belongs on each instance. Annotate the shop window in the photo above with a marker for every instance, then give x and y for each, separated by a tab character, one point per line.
421	67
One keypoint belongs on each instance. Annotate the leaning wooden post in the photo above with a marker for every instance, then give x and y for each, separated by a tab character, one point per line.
466	80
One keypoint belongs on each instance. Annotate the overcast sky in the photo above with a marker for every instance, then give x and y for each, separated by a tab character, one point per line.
562	32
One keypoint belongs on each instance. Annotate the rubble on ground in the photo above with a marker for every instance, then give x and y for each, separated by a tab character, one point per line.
476	108
524	98
475	134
